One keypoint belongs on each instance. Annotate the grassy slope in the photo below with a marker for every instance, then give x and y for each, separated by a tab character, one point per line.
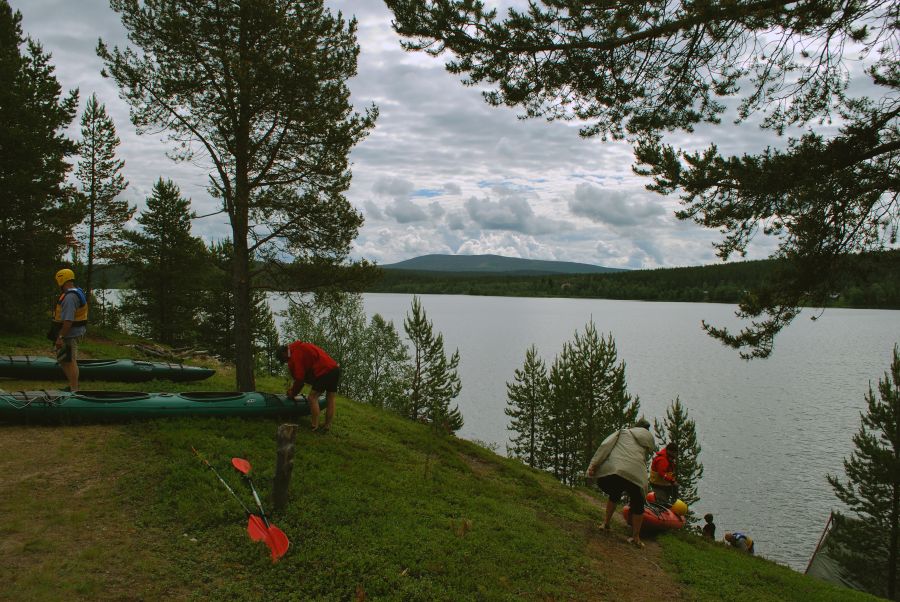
381	509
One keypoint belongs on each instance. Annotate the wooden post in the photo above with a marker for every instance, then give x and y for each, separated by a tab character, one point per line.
287	436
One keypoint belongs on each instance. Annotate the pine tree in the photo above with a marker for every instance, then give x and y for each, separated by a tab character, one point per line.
100	174
588	400
869	545
527	399
434	380
600	389
166	267
37	208
677	427
260	88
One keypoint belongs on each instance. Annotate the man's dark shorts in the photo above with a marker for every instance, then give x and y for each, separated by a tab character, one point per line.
328	382
69	350
614	486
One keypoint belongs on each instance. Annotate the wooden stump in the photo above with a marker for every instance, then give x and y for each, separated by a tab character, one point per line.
287	436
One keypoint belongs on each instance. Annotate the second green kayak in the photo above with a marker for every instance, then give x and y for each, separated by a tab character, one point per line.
32	367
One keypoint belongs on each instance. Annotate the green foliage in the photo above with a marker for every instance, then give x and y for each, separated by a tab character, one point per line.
434	381
677	427
99	173
164	262
642	70
37	207
527	398
259	87
869	547
374	361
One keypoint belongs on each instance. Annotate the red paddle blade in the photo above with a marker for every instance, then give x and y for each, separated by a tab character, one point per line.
277	541
256	528
241	464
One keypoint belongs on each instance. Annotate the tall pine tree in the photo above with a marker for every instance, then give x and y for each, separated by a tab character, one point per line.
434	380
166	265
385	364
259	87
100	175
869	546
527	398
37	208
677	427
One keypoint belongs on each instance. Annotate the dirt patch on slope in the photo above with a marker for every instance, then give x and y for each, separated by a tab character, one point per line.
628	573
65	535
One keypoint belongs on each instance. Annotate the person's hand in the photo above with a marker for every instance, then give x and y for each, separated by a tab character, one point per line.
591	471
59	343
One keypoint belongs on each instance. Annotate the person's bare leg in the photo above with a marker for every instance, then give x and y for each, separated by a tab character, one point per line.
70	369
610	510
313	398
329	408
636	521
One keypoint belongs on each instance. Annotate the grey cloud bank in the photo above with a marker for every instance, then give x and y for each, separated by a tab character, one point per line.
442	172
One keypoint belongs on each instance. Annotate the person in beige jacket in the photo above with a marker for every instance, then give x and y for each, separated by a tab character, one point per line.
620	467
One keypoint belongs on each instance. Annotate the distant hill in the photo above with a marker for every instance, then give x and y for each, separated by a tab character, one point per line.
496	264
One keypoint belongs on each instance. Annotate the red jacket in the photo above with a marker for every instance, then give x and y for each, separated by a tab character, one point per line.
662	466
306	360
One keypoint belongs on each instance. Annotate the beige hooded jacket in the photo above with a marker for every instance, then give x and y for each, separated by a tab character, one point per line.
624	453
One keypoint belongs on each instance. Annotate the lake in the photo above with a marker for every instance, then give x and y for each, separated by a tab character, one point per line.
770	429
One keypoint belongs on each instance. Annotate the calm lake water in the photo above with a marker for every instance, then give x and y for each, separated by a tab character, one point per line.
770	429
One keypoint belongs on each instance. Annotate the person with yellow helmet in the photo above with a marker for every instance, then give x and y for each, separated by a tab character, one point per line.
69	324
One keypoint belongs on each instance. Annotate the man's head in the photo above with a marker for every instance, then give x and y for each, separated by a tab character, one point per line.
708	517
729	536
642	423
282	354
63	276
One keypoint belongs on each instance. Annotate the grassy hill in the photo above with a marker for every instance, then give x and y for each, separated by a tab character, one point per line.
496	264
381	509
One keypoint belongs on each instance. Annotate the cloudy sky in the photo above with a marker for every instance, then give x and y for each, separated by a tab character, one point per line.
442	172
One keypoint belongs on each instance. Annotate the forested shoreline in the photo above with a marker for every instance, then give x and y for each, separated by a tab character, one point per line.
875	285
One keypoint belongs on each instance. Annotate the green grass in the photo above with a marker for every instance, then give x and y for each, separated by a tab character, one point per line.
713	571
381	507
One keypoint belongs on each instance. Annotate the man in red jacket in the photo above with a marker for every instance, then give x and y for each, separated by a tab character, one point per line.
309	363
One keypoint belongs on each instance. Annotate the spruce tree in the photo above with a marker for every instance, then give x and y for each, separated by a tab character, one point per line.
527	400
869	545
166	266
434	381
100	175
677	427
37	208
216	325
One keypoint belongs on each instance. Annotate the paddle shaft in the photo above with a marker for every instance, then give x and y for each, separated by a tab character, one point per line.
227	486
258	502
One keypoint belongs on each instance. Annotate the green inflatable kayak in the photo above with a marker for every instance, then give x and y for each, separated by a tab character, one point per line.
32	367
89	406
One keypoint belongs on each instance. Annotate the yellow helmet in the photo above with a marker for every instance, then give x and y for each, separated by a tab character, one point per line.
64	275
679	508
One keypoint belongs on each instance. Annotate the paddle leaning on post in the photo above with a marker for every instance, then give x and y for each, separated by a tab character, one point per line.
258	528
280	540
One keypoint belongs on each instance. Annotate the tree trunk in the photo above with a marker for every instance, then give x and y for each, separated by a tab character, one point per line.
893	544
243	352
